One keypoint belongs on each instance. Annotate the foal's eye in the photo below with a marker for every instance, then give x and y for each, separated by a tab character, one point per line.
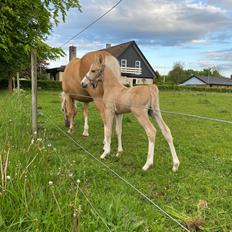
93	71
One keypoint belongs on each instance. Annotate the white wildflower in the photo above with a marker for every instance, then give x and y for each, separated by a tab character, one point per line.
50	183
78	181
49	145
70	174
8	177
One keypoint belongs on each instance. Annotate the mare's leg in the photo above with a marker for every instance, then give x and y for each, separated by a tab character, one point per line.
144	121
86	113
71	111
118	128
168	136
109	114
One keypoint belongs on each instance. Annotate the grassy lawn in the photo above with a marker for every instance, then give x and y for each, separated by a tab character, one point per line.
29	203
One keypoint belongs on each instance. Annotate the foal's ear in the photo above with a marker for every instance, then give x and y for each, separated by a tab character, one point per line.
99	59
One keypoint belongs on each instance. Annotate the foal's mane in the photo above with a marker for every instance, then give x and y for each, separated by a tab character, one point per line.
112	63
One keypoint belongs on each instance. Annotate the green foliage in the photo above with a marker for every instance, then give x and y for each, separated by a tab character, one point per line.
204	72
193	88
25	24
42	84
204	149
178	74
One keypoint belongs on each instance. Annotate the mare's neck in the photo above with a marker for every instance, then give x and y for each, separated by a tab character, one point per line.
111	80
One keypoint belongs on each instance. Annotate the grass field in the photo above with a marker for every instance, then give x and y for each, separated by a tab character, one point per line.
29	203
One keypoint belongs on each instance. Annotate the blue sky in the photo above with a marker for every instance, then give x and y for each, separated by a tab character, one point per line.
197	34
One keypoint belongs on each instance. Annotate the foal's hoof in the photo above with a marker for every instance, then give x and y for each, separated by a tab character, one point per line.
175	167
102	156
119	154
147	166
85	134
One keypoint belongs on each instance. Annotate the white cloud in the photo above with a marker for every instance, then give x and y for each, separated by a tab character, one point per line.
222	59
161	21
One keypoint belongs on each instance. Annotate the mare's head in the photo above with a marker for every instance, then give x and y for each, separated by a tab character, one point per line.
95	73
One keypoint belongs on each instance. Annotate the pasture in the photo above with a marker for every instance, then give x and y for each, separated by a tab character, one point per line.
29	203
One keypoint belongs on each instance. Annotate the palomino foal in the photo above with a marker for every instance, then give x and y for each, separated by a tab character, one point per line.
139	100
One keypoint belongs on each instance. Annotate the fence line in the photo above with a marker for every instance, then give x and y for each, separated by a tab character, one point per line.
94	209
117	175
166	111
92	23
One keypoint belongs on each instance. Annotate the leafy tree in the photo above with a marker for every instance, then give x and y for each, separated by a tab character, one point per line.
25	24
177	74
205	72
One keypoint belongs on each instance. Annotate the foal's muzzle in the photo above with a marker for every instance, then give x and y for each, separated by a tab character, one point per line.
83	85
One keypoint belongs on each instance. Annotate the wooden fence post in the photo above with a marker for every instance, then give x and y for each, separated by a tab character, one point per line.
34	92
18	83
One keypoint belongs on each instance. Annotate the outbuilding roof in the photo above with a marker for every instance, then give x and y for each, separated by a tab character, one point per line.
209	80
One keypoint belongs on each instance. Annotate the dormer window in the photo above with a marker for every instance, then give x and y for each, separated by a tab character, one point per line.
123	63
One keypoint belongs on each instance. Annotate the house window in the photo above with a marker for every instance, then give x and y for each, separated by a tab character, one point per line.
123	63
137	64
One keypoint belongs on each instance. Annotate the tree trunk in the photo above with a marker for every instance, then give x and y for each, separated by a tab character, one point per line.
10	85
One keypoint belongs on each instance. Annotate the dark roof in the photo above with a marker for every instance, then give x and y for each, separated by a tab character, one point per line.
209	80
119	49
55	70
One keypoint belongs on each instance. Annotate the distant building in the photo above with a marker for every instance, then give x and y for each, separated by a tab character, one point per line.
210	81
135	69
56	74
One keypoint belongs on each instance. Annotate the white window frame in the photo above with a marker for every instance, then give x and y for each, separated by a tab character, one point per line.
137	64
123	63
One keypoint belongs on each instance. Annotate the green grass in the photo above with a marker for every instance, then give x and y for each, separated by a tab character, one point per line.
28	203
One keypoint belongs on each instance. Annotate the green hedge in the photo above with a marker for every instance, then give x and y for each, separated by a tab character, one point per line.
42	85
200	89
56	85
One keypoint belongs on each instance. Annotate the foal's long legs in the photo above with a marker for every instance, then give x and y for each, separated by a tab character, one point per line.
100	106
168	136
118	128
108	132
144	121
86	113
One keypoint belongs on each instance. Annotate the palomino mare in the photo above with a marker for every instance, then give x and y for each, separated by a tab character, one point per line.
139	100
72	90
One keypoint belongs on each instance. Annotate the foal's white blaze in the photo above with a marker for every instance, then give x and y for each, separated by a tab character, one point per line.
150	156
